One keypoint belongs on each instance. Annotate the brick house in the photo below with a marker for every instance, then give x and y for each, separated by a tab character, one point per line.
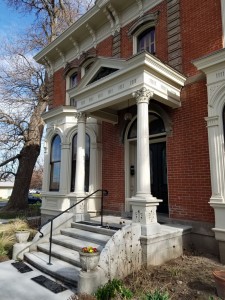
137	107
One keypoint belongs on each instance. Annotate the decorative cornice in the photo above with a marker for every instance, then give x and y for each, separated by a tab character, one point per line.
206	63
143	95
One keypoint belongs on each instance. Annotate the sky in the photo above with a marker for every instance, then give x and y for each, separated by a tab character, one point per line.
11	21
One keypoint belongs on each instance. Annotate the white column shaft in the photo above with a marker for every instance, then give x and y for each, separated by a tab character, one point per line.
143	161
80	159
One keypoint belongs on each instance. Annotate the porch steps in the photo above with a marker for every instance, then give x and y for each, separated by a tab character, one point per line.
65	250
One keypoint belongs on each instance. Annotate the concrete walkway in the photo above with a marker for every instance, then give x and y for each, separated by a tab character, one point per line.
19	286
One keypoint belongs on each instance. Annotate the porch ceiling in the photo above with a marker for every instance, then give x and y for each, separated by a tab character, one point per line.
112	92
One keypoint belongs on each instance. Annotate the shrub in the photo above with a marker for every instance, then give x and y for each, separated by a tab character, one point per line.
111	289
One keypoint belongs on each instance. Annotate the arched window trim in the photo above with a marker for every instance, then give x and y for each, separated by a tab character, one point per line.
53	164
87	163
85	64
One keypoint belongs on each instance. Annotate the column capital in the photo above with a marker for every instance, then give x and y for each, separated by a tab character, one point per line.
80	116
143	95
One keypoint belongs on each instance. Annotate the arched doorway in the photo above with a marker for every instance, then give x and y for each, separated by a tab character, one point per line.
158	161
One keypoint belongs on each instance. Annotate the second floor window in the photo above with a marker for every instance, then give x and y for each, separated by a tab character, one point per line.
73	80
146	41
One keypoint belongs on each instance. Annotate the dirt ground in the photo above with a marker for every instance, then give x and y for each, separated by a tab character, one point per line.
186	278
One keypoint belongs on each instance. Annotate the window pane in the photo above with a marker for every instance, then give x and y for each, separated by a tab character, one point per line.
87	162
56	149
55	176
73	80
146	41
55	163
156	124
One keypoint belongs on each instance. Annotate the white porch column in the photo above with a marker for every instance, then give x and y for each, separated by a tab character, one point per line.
80	160
143	203
81	209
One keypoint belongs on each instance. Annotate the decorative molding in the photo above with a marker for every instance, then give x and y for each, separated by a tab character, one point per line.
80	116
212	90
116	17
212	121
174	36
143	95
61	54
49	65
75	45
110	18
93	34
140	7
149	20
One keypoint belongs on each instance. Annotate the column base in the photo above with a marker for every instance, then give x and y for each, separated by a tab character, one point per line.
80	211
144	212
19	249
79	217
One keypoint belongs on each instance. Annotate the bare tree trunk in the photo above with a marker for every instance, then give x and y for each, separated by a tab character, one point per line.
27	161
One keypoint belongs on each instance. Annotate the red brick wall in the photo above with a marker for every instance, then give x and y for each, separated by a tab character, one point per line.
188	158
59	89
201	29
104	48
113	167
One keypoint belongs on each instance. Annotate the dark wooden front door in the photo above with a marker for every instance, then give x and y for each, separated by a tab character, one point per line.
158	165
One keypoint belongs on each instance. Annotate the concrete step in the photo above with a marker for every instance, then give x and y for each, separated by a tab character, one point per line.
94	228
59	269
86	235
73	243
68	255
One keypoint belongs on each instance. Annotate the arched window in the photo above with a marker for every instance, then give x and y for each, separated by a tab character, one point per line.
55	163
146	40
156	126
87	162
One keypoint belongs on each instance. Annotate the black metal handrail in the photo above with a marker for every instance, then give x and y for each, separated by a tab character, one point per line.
104	193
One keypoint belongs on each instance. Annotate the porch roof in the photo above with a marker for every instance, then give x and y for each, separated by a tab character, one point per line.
112	91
